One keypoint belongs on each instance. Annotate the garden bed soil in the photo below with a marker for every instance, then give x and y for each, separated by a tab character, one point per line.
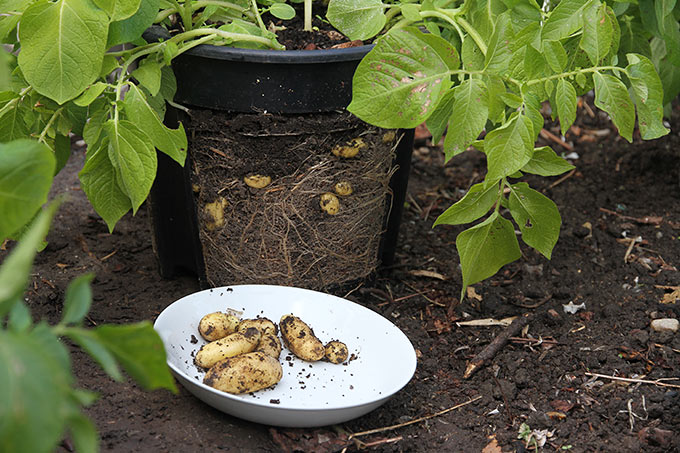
619	192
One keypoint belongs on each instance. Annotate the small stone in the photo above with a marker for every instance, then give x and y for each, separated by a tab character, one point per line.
665	325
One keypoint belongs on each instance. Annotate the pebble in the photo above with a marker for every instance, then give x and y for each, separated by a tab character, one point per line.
665	325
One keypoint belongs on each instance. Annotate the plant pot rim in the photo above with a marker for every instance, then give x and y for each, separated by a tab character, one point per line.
156	32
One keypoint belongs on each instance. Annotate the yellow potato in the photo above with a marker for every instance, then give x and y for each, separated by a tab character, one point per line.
245	373
336	351
215	213
299	338
343	188
349	149
257	181
389	136
329	203
264	325
229	346
270	345
214	326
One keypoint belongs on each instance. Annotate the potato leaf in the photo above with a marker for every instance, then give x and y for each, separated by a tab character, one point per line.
545	162
140	351
77	300
26	172
612	96
648	95
477	201
62	46
485	248
357	19
392	89
537	217
566	100
598	32
118	9
90	342
468	117
130	29
509	148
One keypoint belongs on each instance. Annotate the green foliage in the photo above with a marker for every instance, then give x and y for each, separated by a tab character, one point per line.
39	404
488	66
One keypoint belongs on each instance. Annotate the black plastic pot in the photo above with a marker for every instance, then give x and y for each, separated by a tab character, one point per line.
251	81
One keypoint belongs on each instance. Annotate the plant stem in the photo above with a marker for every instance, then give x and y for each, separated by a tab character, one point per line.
256	12
573	73
308	15
185	13
11	103
227	35
49	124
476	37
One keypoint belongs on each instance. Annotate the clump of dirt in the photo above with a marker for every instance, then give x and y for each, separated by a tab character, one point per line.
278	233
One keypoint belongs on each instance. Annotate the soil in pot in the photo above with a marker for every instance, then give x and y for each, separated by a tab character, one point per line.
284	227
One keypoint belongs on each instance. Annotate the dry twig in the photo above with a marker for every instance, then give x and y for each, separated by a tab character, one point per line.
657	382
496	345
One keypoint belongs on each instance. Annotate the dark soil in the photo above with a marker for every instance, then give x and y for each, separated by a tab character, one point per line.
540	380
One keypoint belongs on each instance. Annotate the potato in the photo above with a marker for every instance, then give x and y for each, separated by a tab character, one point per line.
270	345
245	373
389	136
257	181
349	149
214	326
299	338
264	325
343	188
336	351
215	213
329	203
229	346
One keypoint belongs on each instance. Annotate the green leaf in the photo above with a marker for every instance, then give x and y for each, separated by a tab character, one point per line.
393	88
566	100
16	267
134	158
168	84
411	12
611	96
149	76
131	29
140	351
118	9
282	11
663	8
90	342
78	299
26	172
537	216
83	433
535	64
498	53
648	95
555	55
485	248
495	87
471	55
357	19
12	122
62	151
476	202
545	162
19	317
98	180
467	120
564	20
598	32
62	47
509	148
34	389
439	120
90	94
172	142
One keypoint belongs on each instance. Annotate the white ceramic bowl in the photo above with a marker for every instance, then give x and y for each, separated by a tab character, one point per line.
309	394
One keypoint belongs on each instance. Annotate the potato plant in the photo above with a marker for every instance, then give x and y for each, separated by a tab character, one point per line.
39	403
483	69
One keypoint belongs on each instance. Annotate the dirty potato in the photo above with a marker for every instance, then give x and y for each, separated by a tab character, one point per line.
343	188
349	149
264	325
257	181
214	326
299	338
336	351
245	373
389	136
215	214
270	345
229	346
329	203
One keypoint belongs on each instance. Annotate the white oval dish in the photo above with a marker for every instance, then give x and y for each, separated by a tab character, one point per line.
309	394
